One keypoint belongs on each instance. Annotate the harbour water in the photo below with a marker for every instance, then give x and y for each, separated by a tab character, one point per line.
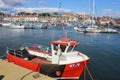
102	48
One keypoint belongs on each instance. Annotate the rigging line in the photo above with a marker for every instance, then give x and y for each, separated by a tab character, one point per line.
65	31
53	33
59	7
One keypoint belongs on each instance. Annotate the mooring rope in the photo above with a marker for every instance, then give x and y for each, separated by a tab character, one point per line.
86	69
88	72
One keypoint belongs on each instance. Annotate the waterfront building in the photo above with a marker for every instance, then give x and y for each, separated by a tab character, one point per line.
30	18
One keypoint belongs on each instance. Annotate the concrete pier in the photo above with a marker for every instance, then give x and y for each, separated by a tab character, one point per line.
9	71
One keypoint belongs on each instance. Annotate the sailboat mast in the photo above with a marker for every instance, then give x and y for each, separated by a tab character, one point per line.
60	17
93	7
93	11
89	9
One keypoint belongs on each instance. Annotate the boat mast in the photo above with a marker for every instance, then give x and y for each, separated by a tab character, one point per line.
59	7
89	9
93	11
57	19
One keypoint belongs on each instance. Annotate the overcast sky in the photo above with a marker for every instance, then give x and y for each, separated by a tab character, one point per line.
102	7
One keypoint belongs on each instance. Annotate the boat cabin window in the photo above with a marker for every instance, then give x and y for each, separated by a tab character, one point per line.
55	47
70	48
62	47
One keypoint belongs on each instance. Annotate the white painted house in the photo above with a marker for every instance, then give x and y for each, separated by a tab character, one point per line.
30	18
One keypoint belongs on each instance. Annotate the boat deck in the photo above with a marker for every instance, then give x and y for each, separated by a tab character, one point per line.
40	60
9	71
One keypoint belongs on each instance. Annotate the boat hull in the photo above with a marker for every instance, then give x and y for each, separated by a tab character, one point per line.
67	71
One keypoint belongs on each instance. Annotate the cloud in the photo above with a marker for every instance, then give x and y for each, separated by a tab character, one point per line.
3	5
13	2
15	6
26	1
111	13
43	2
41	10
9	4
114	3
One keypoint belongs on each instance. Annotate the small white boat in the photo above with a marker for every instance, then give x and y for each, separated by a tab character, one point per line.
6	24
109	30
79	29
87	29
92	30
17	26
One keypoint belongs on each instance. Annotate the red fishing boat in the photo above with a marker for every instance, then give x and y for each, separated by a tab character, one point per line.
62	62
